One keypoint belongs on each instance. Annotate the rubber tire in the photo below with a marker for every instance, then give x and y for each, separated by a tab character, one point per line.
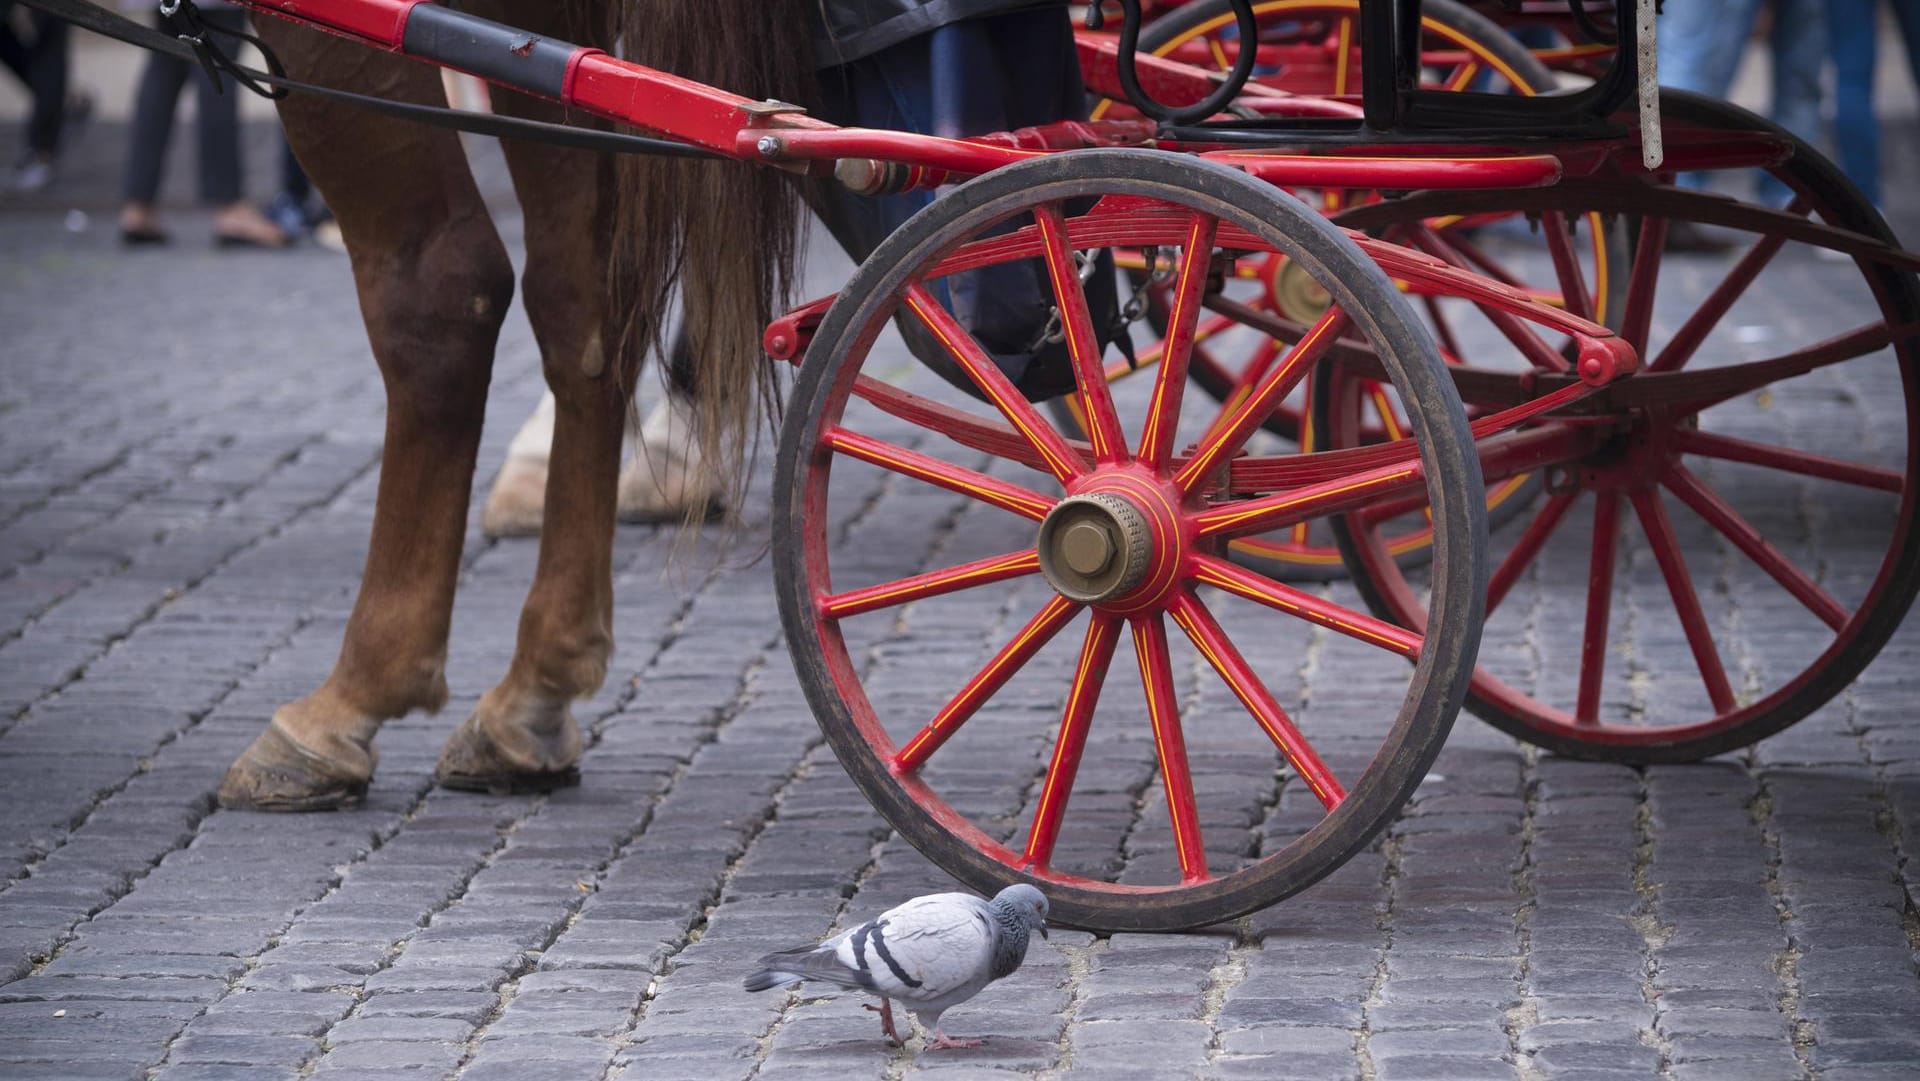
1439	680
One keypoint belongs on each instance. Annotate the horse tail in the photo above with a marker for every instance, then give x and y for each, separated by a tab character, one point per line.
725	233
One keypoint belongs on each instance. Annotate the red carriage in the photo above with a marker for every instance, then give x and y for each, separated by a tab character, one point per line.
1383	306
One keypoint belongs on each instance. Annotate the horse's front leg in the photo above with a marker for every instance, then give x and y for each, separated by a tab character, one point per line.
434	283
523	736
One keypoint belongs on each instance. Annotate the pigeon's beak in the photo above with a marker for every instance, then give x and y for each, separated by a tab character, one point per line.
1043	929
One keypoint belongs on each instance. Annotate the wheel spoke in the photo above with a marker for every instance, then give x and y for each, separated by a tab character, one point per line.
1680	348
1169	744
1083	346
985	683
909	463
1708	505
1200	626
1516	330
1732	449
1463	75
1526	548
1442	326
1343	40
979	572
1642	282
1163	411
1686	602
1235	424
1593	644
1566	264
1060	459
1281	597
1096	653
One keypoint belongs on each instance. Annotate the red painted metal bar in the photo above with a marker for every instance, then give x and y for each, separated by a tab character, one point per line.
1214	645
1593	643
990	490
1237	422
1083	346
1013	656
1352	171
1177	345
1729	448
375	22
1524	549
1686	601
1060	459
1717	513
1681	346
1096	655
1213	571
1163	711
918	587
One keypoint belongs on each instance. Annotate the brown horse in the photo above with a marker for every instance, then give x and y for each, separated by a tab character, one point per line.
607	241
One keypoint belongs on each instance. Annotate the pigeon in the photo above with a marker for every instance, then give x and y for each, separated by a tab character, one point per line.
931	953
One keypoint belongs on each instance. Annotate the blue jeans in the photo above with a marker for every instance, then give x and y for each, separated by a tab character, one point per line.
1701	42
997	73
1853	32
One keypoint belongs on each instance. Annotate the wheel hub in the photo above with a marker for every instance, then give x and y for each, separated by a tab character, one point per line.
1294	293
1095	547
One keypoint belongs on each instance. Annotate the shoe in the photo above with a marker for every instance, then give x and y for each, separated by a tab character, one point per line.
288	214
243	226
144	237
33	174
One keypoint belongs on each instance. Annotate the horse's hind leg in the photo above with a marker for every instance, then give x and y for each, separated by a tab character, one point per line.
523	736
434	282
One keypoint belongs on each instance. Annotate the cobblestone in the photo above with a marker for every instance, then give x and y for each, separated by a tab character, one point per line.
178	549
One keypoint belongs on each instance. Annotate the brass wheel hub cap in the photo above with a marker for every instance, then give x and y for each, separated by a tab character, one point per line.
1095	547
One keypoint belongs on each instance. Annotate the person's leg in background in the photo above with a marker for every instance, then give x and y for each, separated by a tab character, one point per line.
154	103
1852	44
1799	48
236	222
45	74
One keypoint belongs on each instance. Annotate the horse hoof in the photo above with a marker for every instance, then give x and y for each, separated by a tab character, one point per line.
277	774
472	762
517	504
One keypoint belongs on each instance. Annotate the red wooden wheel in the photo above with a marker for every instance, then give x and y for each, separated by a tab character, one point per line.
1756	557
1154	770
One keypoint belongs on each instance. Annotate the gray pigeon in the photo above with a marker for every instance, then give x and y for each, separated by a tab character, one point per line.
932	954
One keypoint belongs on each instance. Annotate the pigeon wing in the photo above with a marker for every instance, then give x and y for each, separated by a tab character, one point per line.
930	949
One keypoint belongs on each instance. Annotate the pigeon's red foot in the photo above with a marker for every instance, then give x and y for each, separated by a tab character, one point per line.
885	1010
941	1039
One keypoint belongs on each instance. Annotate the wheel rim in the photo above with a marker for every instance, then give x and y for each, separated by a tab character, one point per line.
1137	485
1685	470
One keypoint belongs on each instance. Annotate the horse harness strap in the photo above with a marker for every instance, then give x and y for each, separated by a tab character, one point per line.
274	83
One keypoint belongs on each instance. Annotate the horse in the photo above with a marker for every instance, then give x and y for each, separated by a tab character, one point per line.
608	242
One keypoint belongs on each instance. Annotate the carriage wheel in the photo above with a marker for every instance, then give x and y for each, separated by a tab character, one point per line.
1462	45
952	696
1759	558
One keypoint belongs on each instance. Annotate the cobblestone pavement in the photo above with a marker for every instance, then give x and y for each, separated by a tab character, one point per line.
188	445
